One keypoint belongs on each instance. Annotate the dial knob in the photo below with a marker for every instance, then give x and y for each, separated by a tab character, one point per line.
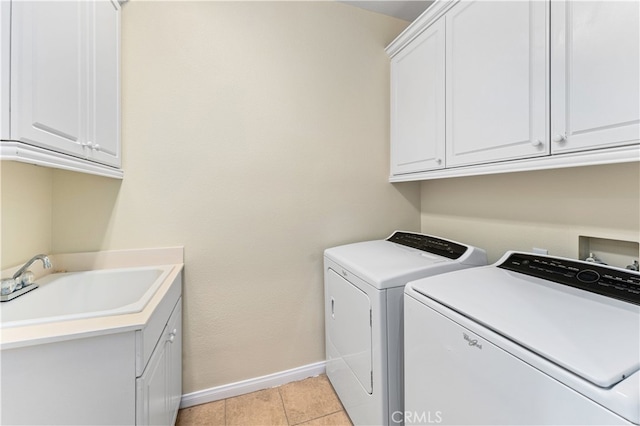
588	276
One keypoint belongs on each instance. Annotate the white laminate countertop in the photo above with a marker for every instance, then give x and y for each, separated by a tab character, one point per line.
15	337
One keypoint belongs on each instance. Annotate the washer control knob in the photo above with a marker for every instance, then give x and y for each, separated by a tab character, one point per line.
588	276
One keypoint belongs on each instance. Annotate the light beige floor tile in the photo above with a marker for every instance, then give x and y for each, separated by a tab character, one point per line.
257	408
336	419
309	399
211	414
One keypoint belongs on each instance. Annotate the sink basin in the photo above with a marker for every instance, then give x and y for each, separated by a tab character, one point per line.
78	295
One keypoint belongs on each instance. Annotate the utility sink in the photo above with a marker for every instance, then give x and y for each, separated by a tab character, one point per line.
88	294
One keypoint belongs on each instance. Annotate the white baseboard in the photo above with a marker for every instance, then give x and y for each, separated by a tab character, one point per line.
252	385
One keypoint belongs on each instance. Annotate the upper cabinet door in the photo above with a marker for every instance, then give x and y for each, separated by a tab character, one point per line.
595	72
103	132
47	77
497	81
65	80
417	103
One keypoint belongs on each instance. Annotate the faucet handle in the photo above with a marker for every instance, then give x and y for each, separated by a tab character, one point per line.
8	286
26	279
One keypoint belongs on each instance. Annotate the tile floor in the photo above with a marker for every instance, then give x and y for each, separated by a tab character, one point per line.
307	402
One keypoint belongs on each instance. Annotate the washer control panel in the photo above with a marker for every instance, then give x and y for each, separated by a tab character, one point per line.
595	278
429	244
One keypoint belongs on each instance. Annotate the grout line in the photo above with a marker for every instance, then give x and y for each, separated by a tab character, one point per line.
283	407
316	418
225	412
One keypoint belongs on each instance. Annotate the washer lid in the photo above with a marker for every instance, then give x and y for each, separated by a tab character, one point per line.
593	336
384	264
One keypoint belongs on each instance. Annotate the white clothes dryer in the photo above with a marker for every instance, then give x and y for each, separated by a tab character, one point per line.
529	340
364	284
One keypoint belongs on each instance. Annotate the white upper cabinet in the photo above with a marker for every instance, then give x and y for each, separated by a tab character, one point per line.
595	71
104	114
417	103
64	85
47	58
528	85
496	81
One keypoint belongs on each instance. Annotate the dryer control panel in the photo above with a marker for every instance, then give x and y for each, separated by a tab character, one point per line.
430	244
595	278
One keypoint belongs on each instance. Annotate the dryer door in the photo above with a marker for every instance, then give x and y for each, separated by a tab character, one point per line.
349	328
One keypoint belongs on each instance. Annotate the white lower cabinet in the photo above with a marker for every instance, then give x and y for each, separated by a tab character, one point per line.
159	389
113	378
89	381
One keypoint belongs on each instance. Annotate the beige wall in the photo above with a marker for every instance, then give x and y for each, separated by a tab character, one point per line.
25	212
256	135
544	209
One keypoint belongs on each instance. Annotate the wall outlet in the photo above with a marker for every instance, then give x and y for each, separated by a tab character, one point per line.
537	250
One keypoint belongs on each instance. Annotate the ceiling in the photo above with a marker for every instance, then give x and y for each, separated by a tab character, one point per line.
403	9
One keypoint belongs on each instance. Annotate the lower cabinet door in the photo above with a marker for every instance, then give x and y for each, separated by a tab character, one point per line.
152	386
159	388
174	362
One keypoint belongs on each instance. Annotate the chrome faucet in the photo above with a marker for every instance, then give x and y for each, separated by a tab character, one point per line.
22	281
45	262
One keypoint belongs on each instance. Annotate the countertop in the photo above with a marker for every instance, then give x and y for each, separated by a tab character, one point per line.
16	337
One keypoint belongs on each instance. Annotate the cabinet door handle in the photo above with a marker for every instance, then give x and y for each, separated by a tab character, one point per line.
96	147
536	142
438	161
559	138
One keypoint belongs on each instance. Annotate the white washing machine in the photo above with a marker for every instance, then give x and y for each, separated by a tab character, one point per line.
364	284
529	340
